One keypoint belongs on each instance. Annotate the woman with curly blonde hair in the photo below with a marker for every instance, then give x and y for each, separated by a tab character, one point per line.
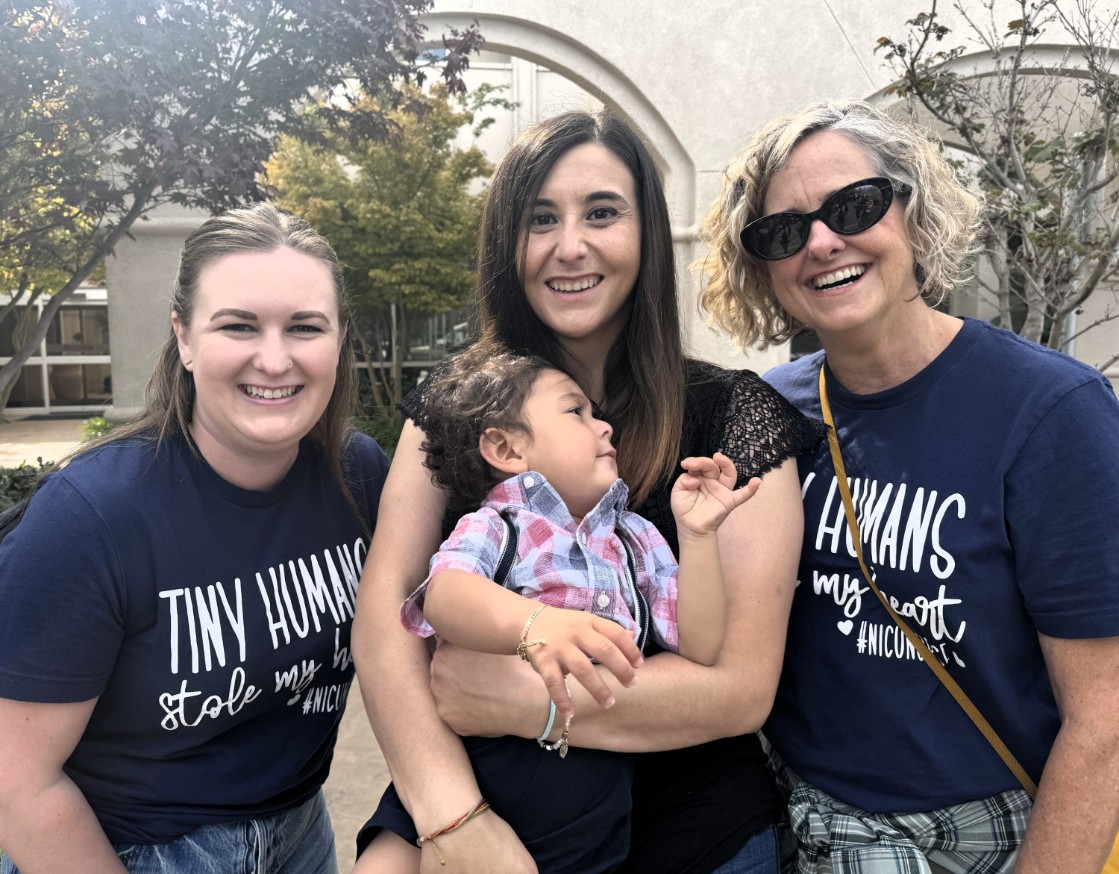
941	217
985	479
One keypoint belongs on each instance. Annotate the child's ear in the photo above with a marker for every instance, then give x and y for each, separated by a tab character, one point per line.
503	450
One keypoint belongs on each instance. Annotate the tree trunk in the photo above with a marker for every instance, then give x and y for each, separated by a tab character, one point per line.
17	297
1001	266
10	371
5	394
19	339
397	359
374	381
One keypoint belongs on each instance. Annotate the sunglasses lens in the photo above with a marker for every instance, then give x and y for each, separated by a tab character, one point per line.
777	236
848	211
854	210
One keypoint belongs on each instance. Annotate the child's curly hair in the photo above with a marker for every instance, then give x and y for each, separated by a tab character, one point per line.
481	388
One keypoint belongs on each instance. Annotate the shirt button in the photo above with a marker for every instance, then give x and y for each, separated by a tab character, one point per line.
603	600
530	482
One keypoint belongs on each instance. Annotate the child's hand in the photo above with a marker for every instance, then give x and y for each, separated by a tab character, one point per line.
704	494
572	638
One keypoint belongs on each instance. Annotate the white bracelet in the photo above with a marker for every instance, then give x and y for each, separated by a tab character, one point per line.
551	721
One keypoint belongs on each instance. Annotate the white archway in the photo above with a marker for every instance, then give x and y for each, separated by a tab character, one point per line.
594	73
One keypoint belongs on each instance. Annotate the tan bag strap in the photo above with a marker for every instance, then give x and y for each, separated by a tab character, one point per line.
929	659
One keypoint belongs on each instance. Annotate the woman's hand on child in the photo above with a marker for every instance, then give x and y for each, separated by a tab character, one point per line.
572	639
704	494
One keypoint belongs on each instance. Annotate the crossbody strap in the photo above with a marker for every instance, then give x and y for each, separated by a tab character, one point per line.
929	659
507	555
641	614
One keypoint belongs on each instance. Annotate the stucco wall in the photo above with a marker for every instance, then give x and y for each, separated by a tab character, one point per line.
697	78
139	277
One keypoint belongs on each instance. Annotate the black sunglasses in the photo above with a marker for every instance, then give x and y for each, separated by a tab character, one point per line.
851	210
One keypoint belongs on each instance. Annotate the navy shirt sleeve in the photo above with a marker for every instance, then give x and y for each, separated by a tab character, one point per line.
1065	562
64	605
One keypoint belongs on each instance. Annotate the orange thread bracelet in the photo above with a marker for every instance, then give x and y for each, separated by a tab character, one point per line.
477	810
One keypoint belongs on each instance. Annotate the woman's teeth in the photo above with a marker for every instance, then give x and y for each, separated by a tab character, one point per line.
573	285
839	277
270	394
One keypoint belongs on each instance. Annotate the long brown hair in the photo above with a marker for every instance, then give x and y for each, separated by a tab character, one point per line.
169	395
645	367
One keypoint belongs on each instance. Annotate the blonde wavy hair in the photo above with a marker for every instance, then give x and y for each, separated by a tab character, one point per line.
942	216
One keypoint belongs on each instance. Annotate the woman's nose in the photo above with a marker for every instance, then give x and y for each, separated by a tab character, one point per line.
272	355
823	242
572	244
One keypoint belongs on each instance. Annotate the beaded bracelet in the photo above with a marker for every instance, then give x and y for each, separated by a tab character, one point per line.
477	810
560	744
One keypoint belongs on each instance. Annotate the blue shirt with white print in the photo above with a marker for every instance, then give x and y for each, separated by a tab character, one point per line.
211	623
987	494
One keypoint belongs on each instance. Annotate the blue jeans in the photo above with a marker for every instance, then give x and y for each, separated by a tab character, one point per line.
297	841
757	856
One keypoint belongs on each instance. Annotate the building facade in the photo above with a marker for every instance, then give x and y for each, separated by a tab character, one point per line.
69	372
696	78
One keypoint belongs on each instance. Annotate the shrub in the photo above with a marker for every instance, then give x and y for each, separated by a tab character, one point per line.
15	482
383	425
96	427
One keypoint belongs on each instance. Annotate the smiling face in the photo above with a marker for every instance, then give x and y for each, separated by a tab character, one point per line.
841	285
582	251
263	346
566	443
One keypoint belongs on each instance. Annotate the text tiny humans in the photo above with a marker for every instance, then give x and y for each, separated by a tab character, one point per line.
203	620
298	594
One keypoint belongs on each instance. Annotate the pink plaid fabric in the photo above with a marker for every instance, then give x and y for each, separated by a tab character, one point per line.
559	563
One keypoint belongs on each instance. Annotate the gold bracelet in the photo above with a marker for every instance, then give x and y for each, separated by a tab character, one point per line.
523	646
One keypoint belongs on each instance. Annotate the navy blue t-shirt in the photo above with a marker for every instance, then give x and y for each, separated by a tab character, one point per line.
212	624
987	493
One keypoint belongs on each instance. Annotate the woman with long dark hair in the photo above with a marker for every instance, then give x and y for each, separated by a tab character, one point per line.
575	265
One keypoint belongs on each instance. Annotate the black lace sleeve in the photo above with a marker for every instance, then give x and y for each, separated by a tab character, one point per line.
739	414
412	404
757	428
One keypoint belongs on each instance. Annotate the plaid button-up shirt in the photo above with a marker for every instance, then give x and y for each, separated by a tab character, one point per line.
558	562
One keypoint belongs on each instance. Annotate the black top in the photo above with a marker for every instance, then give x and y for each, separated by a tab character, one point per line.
737	413
694	808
